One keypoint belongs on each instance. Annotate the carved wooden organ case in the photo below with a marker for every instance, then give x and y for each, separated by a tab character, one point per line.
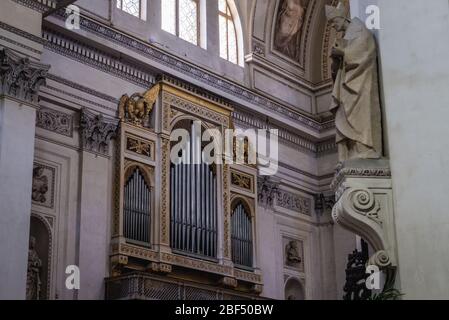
173	220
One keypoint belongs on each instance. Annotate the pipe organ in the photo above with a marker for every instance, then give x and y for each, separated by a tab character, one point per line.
193	204
242	244
182	221
137	208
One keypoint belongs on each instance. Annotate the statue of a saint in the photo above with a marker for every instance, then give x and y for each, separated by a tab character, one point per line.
355	96
33	289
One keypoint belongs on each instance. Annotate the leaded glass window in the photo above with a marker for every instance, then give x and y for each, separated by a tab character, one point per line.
181	18
228	33
133	7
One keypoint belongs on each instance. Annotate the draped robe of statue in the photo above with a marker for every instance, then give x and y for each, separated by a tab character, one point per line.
356	102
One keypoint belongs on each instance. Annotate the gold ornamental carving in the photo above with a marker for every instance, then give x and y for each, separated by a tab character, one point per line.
137	108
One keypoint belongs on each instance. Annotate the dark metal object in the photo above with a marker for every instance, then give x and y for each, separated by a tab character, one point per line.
355	287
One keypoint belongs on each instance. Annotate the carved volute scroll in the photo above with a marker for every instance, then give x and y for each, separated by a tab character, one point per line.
365	207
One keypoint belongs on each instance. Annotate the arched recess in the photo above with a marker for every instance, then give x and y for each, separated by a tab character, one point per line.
313	65
239	31
294	289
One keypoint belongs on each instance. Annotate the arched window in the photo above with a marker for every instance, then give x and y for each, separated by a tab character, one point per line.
241	236
133	7
137	208
229	32
193	198
181	18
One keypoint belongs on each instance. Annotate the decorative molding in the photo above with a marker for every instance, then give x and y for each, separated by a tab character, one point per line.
342	172
55	121
96	131
294	202
179	65
20	77
13	42
140	147
38	5
95	58
205	113
241	180
199	73
82	88
317	149
21	33
165	192
226	176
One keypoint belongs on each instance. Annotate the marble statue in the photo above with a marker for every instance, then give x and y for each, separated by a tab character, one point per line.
40	185
33	288
293	256
289	23
355	96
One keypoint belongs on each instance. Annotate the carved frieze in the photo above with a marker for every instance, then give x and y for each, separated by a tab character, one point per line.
96	132
55	121
294	202
242	180
138	146
20	77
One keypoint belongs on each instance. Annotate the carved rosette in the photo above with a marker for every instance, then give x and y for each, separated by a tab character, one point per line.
20	77
365	207
96	132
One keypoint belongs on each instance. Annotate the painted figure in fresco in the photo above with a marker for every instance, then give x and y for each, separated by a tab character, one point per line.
289	23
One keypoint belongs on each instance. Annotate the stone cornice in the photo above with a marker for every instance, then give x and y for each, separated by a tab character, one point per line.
200	74
21	78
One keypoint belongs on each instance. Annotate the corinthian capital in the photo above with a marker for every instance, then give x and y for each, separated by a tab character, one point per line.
96	132
20	77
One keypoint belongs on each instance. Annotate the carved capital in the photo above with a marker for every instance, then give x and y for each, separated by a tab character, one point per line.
267	190
96	132
365	206
20	77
